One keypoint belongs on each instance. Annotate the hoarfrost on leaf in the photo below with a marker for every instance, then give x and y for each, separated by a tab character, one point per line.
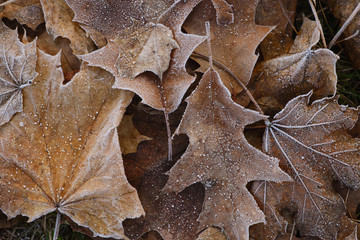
221	159
17	71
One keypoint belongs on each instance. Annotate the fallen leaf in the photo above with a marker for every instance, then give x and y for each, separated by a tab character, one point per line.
276	13
172	215
62	153
314	148
136	41
220	158
58	19
234	44
302	69
17	71
26	12
165	93
129	136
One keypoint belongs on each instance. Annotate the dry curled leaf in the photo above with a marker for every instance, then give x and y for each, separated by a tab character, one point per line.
62	152
212	233
302	69
17	71
234	44
314	148
220	158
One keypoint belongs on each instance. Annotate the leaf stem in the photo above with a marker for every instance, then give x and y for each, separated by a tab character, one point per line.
57	225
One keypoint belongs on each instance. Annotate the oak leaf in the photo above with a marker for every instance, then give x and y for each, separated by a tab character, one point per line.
62	152
220	158
314	148
234	44
17	71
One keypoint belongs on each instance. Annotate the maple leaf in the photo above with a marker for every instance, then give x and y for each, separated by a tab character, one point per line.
234	44
136	41
297	72
220	157
314	148
160	94
62	152
17	71
58	19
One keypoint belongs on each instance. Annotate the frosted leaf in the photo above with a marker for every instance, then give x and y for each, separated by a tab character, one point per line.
221	159
62	153
314	148
17	71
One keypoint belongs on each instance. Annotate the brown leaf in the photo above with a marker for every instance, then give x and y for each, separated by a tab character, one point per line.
58	19
314	148
220	158
129	136
17	71
172	215
62	153
165	93
137	42
234	45
26	12
276	13
279	80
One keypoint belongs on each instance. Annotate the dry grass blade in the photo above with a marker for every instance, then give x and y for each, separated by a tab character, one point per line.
318	23
346	24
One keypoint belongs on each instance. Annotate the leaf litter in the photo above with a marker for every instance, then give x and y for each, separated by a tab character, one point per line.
142	44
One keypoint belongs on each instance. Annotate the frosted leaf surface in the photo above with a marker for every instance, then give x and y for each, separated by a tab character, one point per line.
302	69
17	71
234	44
136	41
165	92
221	159
62	153
314	148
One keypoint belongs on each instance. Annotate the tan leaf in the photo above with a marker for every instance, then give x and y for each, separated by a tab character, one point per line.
17	71
314	148
165	93
137	42
62	153
234	44
221	159
279	80
58	19
26	12
129	136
